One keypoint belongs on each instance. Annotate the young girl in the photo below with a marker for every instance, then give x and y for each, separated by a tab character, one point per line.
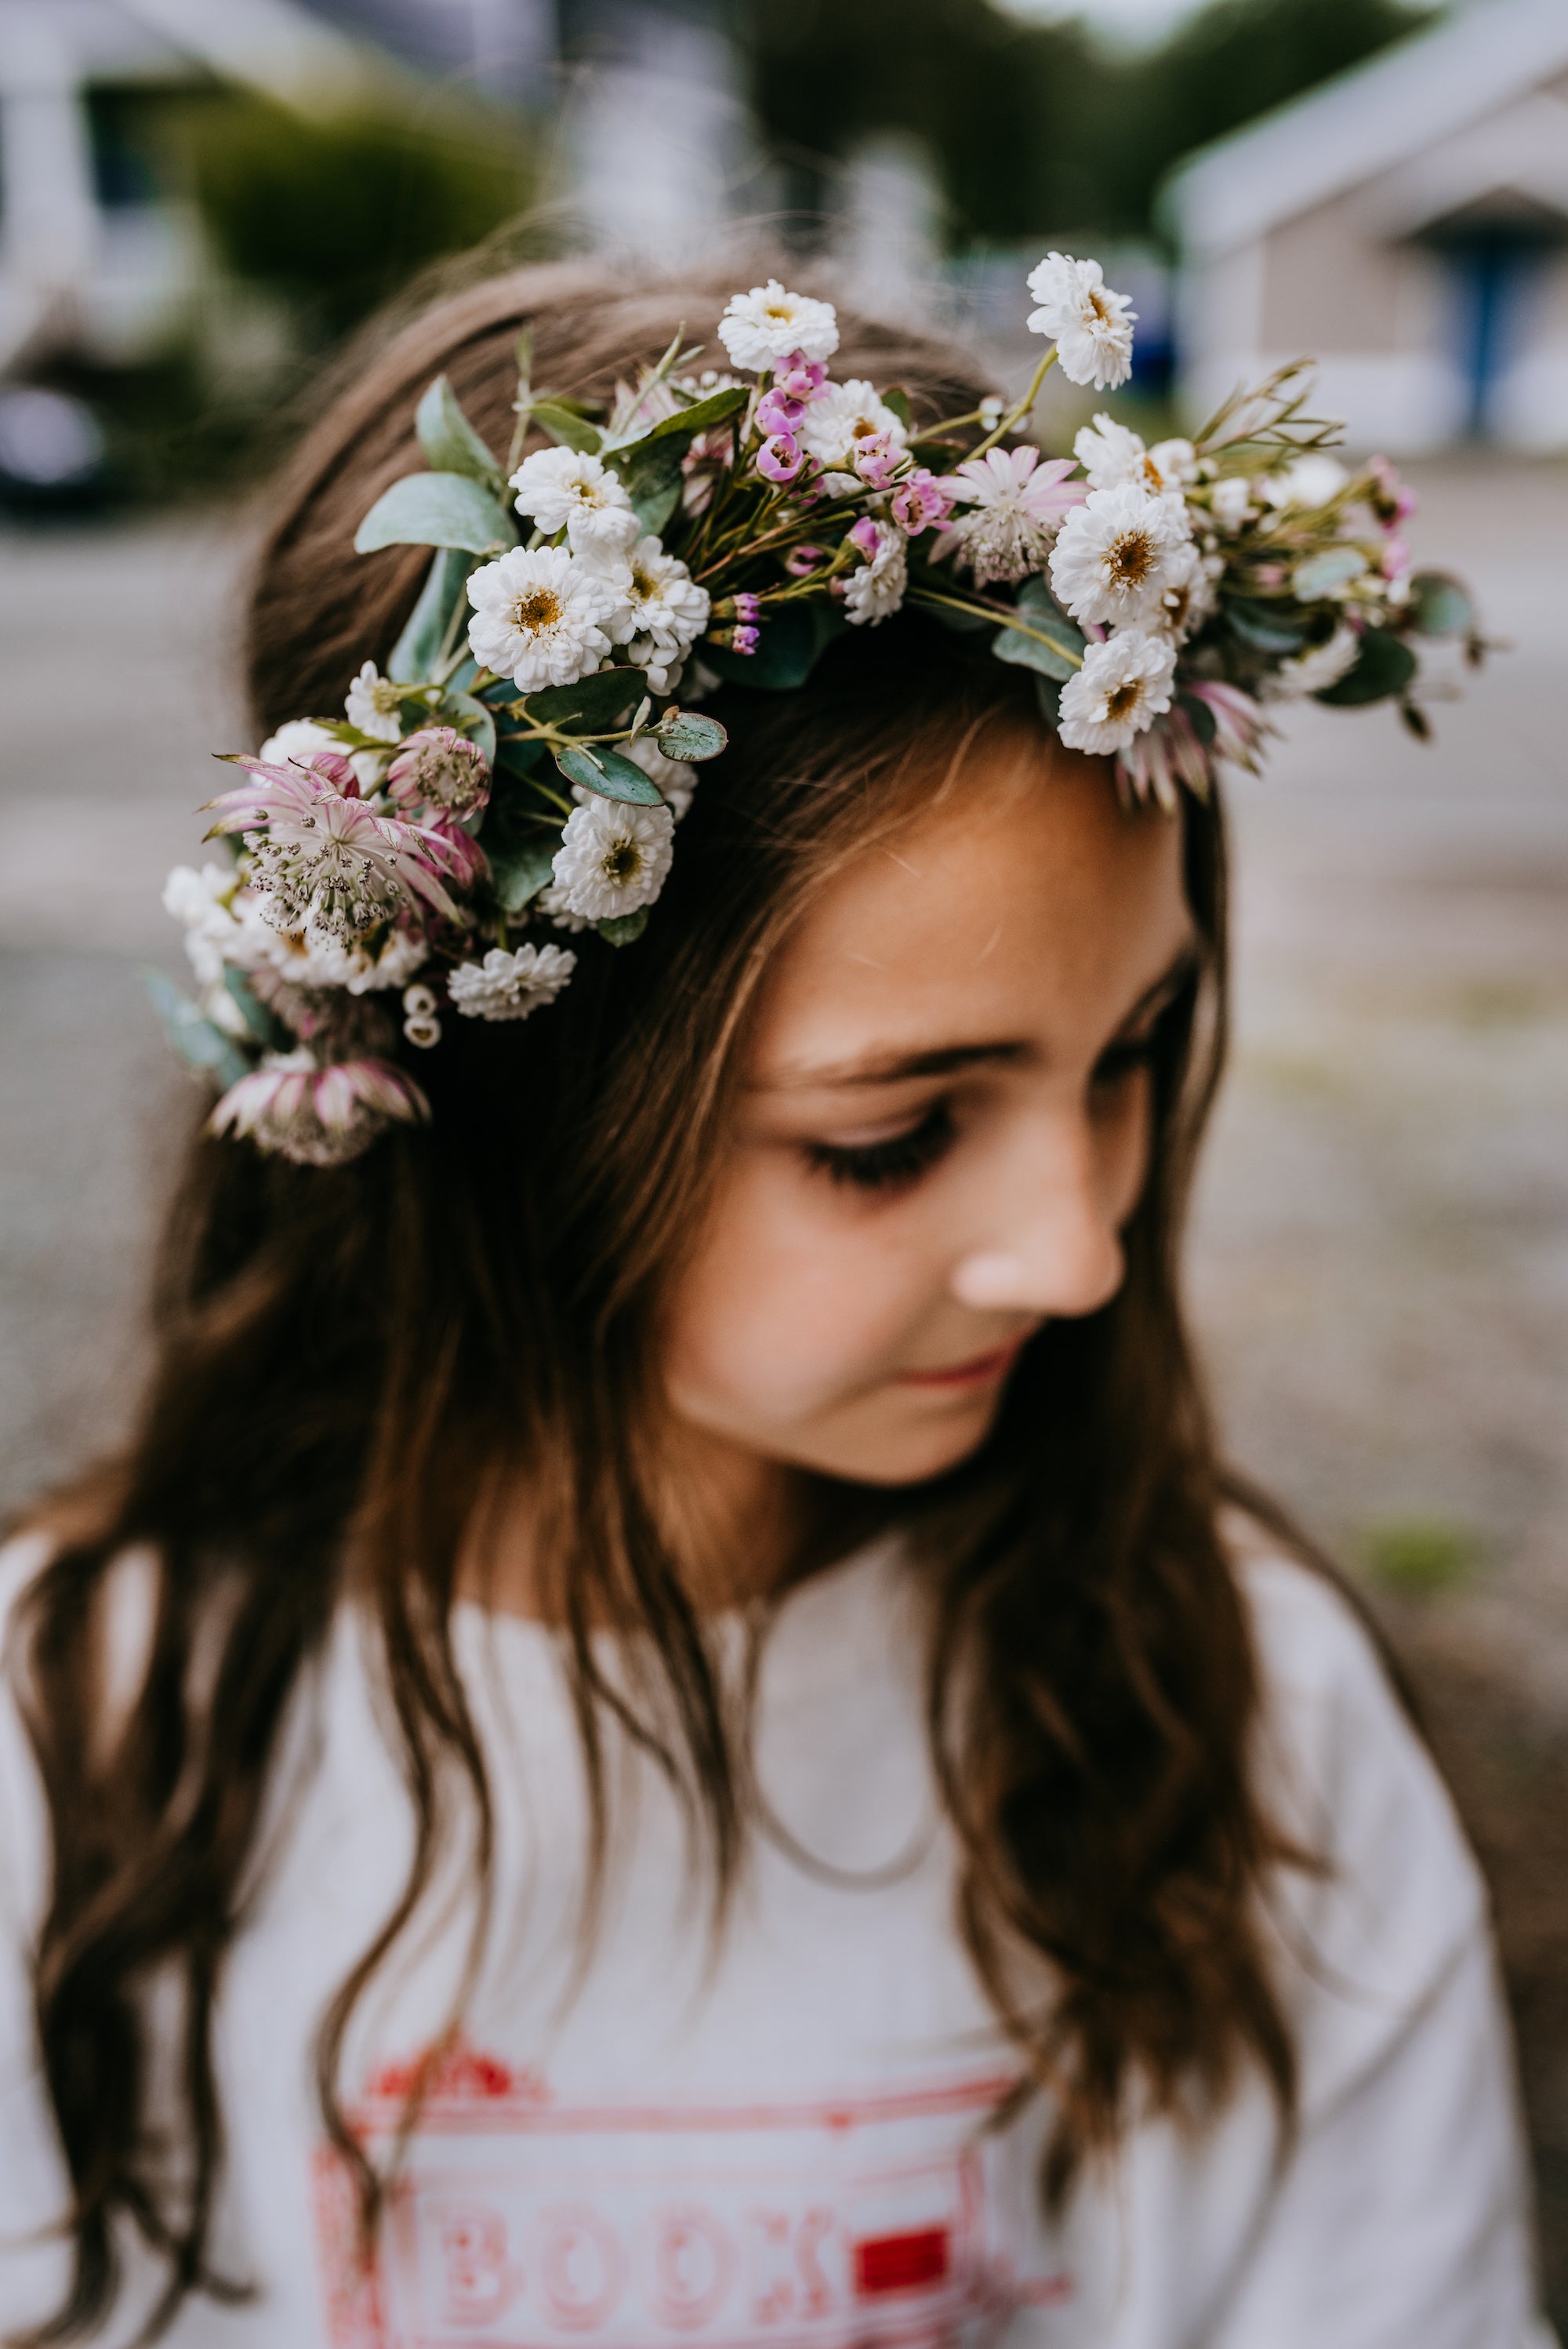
672	1728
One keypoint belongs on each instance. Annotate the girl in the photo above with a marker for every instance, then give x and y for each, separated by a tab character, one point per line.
671	1727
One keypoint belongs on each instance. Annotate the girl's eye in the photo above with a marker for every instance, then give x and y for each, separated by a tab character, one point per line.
887	1165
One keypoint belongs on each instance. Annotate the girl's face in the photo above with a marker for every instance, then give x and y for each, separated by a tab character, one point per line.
944	1126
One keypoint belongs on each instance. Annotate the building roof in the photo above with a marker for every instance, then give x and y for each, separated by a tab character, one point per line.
1379	115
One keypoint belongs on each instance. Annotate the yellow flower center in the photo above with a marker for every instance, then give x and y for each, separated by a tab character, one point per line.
1124	699
622	862
539	608
1129	559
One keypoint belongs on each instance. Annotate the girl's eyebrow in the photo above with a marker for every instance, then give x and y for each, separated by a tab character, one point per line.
946	1059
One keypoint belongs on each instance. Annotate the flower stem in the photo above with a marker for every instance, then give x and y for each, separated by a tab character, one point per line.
1008	617
1024	408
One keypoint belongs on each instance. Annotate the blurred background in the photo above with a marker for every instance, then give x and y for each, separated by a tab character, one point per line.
200	199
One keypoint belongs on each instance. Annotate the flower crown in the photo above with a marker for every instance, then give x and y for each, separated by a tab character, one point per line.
517	776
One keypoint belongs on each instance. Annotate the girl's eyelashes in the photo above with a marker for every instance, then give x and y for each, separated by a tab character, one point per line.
892	1165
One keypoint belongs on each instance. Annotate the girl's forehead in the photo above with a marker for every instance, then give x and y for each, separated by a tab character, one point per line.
1002	914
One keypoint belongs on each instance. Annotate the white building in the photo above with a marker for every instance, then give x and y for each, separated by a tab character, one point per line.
86	265
1407	226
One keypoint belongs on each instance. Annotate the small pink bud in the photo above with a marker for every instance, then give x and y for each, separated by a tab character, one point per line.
743	640
865	535
798	378
777	413
802	560
748	609
336	772
920	502
780	459
877	459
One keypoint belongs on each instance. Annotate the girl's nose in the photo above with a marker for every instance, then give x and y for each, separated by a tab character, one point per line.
1058	1252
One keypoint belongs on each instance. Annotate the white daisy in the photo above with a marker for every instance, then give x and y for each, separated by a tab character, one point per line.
373	705
1090	326
661	612
1173	464
540	618
571	490
877	588
677	778
759	328
1192	593
1111	454
1311	481
1231	503
1313	670
509	986
1121	689
203	904
1116	555
552	903
841	414
612	858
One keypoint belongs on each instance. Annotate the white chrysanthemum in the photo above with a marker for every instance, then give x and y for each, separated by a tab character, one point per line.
1090	326
373	705
540	618
877	588
1121	689
1231	503
1173	463
551	904
612	858
310	957
661	611
202	903
509	986
1111	454
675	778
1311	481
573	490
1313	670
1192	593
841	414
1116	555
759	328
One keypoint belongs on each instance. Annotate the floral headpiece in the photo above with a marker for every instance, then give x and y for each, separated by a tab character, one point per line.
517	775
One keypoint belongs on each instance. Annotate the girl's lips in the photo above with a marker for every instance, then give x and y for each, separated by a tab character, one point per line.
978	1372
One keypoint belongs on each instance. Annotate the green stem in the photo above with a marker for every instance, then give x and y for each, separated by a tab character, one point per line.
1024	408
1006	618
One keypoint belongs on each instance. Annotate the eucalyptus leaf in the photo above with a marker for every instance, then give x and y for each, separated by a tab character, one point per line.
1383	667
467	716
600	702
897	399
1263	627
687	734
1319	575
417	650
1439	606
263	1026
521	868
435	510
622	929
565	425
599	769
198	1042
651	470
449	441
1044	640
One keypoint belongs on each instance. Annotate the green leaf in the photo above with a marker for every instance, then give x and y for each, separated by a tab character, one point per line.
1439	606
1319	575
716	408
449	441
1060	654
263	1024
687	734
417	649
599	703
599	769
1262	626
566	426
198	1042
1383	667
520	867
467	716
620	930
897	399
651	470
435	510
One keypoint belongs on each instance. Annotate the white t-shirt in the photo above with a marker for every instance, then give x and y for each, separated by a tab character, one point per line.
778	2140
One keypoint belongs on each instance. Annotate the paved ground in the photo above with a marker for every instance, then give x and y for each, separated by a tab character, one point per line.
1381	1267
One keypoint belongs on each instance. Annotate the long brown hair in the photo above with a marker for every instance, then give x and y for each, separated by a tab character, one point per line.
347	1357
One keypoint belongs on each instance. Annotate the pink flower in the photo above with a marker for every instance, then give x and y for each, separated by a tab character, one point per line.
1018	507
734	640
877	458
919	501
776	412
867	537
320	859
316	1116
748	608
781	458
1395	556
798	378
802	560
1240	725
1393	501
440	769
